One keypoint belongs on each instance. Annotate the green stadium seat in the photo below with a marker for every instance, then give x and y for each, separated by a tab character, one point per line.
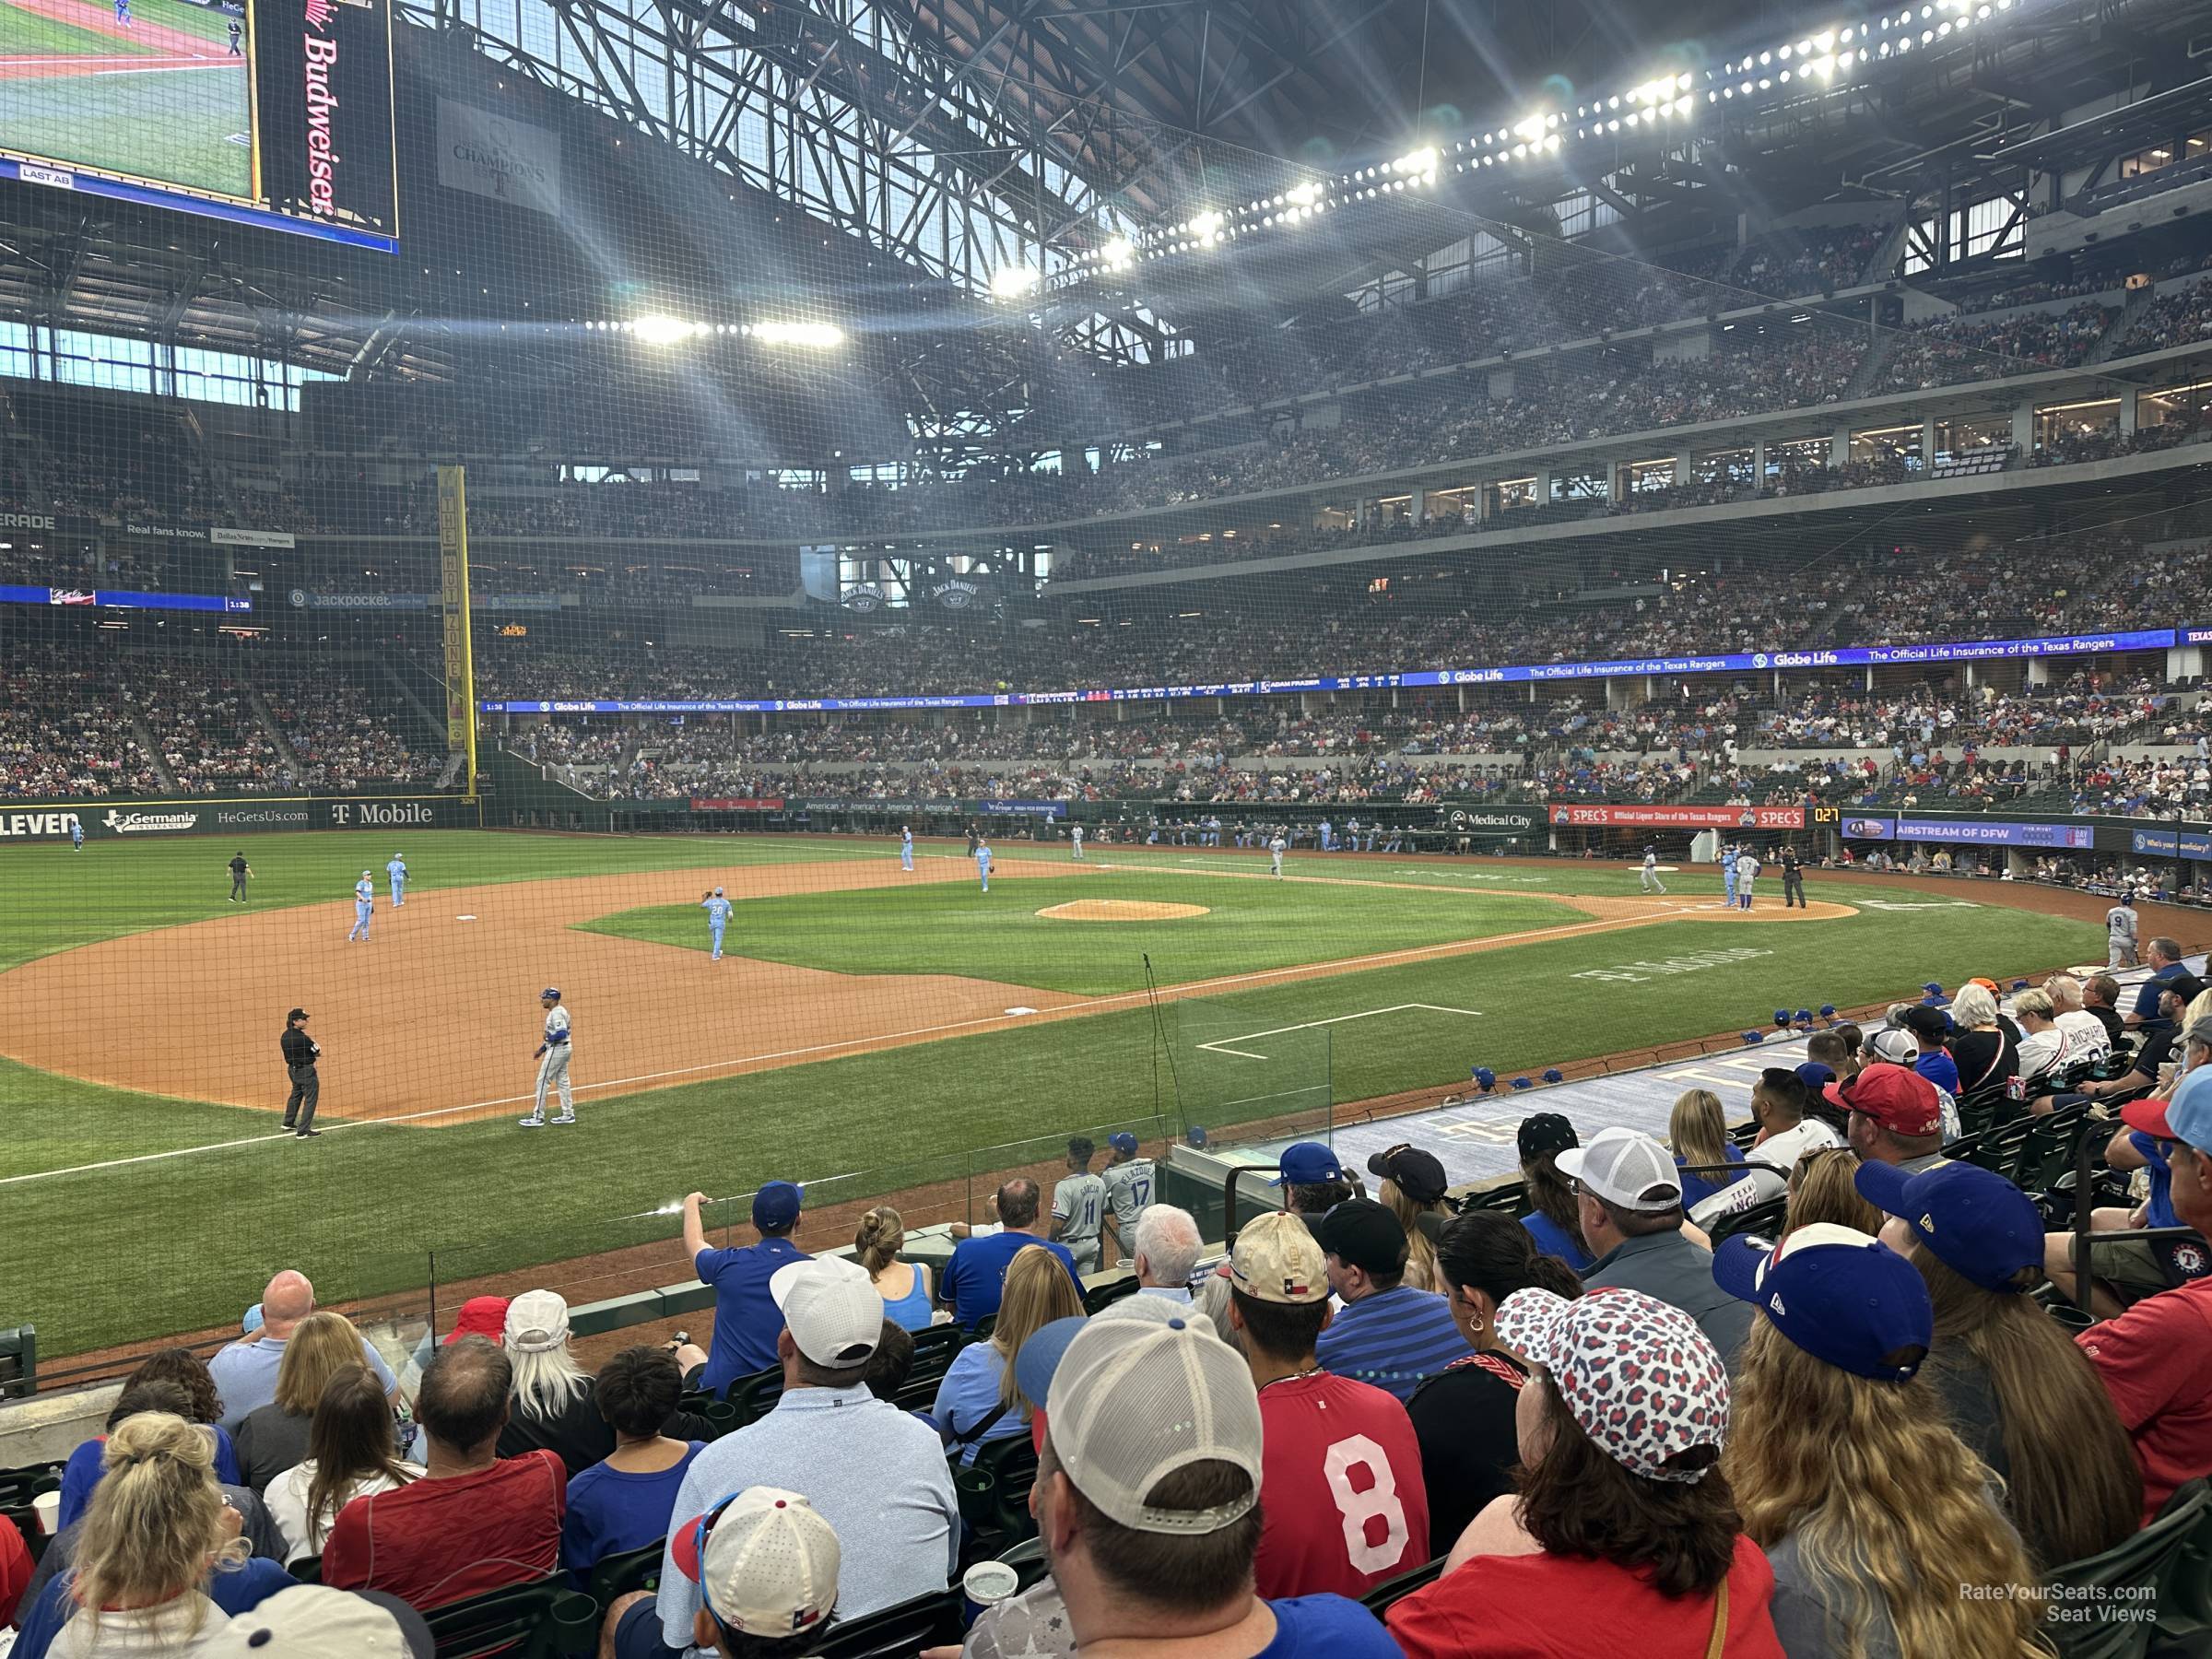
19	1363
26	1521
756	1396
541	1620
2138	1573
638	1569
1999	1149
1106	1295
894	1633
935	1349
1378	1600
1512	1196
1011	1462
21	1484
1760	1218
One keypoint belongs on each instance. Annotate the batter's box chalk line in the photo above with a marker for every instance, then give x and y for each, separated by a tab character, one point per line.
1222	1045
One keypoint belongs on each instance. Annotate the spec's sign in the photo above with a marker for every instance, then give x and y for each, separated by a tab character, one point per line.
1679	817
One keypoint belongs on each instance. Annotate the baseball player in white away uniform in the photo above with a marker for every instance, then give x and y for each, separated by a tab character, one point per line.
552	1059
1746	872
1651	884
906	847
2120	932
1074	834
1276	849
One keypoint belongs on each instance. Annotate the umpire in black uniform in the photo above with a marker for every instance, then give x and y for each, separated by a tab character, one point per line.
300	1053
1793	878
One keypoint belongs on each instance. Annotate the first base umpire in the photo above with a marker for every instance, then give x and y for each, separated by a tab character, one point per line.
300	1053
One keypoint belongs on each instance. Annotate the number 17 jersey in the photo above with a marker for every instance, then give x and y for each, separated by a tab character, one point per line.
1340	1489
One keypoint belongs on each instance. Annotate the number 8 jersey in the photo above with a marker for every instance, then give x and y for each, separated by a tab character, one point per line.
1340	1489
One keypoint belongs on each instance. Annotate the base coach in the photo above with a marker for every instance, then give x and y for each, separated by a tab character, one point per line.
300	1053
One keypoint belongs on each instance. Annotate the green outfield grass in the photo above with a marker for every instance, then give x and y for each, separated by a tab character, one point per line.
96	1256
956	928
25	34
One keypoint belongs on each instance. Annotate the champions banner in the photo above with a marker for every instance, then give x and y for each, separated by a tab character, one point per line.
453	575
323	92
1679	817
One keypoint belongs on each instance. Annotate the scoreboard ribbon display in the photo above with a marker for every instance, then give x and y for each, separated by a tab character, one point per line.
323	85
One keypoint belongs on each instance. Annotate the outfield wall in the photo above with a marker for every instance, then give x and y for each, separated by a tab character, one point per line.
132	819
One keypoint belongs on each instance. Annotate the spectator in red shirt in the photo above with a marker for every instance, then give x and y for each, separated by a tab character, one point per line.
1624	1537
1340	1491
2155	1359
473	1522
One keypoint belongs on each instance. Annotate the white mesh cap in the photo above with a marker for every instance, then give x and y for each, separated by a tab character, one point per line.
1626	1168
769	1563
1895	1045
1133	1401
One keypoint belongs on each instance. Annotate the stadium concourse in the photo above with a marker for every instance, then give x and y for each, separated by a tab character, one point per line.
849	829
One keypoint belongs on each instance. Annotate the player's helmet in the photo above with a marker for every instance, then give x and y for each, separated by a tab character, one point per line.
550	994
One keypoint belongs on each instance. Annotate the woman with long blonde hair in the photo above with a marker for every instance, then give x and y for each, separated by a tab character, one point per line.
1878	1522
158	1524
1698	1131
1822	1189
979	1399
274	1437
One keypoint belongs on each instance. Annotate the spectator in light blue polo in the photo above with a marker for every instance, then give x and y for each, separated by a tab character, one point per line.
1389	1334
747	1318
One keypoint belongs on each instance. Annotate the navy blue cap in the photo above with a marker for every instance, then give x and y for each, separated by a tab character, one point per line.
1306	1163
1122	1142
1975	1222
1805	1017
1847	1299
1552	1073
1781	1016
776	1204
1828	1010
1814	1076
1753	1037
1485	1079
1521	1083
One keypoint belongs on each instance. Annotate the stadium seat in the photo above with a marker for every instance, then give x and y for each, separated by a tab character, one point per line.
1760	1218
1512	1197
638	1569
1101	1295
1027	1559
308	1569
19	1363
26	1521
893	1633
935	1349
2138	1573
2000	1149
753	1398
541	1620
1378	1600
21	1484
1011	1462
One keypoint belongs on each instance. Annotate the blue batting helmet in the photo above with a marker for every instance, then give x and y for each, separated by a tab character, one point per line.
550	994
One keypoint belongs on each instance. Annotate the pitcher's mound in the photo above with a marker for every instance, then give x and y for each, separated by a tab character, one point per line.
1120	910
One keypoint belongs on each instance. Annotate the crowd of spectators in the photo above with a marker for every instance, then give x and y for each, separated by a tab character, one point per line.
1948	351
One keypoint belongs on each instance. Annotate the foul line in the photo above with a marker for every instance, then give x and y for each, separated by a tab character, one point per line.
1221	1046
882	1039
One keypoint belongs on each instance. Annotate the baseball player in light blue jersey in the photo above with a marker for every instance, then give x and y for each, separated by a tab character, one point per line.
982	862
364	906
1728	873
906	848
77	835
718	918
396	872
552	1059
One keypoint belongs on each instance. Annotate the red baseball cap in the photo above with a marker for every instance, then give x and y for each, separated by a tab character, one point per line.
1901	1100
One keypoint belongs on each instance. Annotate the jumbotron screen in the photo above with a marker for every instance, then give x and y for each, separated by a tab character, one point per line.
275	113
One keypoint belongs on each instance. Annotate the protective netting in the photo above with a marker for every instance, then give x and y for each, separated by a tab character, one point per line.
1304	507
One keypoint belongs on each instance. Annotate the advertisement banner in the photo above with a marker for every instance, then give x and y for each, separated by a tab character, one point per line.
1679	817
121	599
133	820
2197	634
1983	832
738	803
1870	828
145	532
499	157
322	90
1052	809
2194	844
223	536
1488	820
453	575
303	600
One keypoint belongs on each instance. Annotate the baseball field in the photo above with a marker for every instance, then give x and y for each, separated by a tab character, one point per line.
152	91
868	1026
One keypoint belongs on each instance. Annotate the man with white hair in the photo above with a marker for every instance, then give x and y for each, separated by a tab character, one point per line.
2069	1011
245	1372
1167	1247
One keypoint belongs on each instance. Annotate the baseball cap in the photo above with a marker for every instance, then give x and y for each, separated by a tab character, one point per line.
2186	986
1896	1098
479	1316
1545	1132
297	1014
1933	988
251	1321
1624	1167
1603	1351
313	1621
776	1204
1931	1025
1975	1222
1417	1174
1843	1298
832	1308
1814	1075
1360	1233
1122	1141
537	1321
550	994
1306	1163
2184	1115
1133	1401
765	1561
1894	1045
1276	1259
